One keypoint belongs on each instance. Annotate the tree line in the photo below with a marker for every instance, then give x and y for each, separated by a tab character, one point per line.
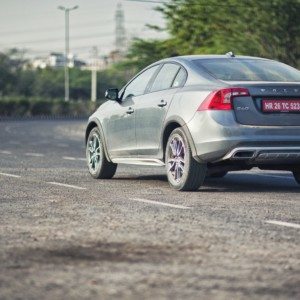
17	78
265	28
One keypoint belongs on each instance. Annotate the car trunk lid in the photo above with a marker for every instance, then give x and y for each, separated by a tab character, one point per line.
272	104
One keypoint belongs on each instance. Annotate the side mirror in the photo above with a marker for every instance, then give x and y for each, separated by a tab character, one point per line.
112	94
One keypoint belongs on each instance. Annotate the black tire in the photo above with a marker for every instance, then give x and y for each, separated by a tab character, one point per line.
218	174
192	173
297	176
100	167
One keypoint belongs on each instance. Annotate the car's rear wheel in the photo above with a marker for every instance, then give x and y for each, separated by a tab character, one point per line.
99	166
297	176
183	171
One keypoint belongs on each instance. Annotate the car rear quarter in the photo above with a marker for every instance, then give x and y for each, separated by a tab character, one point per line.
251	130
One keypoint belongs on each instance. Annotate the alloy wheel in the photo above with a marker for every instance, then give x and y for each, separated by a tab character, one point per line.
176	158
94	153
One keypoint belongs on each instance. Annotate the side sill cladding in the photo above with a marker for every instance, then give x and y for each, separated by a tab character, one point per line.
97	124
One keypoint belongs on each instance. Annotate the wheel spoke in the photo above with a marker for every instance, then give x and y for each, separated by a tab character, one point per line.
172	164
179	148
177	172
181	160
173	147
94	142
181	167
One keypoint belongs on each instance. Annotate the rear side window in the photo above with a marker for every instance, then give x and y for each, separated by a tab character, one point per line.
180	78
233	69
165	77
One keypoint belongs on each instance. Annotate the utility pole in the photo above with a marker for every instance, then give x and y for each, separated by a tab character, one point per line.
94	74
67	49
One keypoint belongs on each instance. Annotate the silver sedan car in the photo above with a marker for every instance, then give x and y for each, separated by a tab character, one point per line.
200	116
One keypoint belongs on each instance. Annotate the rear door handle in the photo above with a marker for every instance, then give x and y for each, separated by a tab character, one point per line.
130	111
162	103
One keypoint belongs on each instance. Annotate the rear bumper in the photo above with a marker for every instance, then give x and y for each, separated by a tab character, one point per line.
217	136
265	155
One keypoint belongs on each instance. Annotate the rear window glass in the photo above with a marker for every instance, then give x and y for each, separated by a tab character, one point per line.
233	69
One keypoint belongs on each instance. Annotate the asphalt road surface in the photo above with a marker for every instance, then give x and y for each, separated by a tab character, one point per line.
64	235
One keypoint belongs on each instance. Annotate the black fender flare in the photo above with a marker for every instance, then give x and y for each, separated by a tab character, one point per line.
94	122
185	129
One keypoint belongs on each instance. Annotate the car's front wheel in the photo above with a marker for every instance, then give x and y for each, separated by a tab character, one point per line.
296	174
183	171
99	166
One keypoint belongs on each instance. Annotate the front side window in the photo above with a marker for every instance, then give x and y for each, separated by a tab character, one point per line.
243	69
138	85
165	77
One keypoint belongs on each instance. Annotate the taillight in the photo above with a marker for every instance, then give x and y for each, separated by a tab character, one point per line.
222	99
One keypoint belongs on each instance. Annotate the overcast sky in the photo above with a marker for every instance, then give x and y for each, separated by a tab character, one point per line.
38	25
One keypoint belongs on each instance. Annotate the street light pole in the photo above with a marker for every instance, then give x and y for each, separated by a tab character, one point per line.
94	74
67	49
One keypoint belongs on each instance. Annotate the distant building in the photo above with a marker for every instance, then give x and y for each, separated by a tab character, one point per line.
57	60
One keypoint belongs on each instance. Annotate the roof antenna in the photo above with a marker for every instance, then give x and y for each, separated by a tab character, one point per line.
231	54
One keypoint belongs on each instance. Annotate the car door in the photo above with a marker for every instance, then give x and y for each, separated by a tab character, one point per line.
121	135
151	109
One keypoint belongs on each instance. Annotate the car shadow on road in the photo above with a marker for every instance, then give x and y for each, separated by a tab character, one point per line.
246	183
66	253
237	182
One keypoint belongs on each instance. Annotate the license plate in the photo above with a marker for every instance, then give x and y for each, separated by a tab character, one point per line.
289	105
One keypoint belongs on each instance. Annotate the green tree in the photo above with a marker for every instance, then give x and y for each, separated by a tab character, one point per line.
267	28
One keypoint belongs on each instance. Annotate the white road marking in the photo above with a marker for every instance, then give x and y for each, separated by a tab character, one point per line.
10	175
69	158
73	158
5	152
160	203
67	185
287	224
34	154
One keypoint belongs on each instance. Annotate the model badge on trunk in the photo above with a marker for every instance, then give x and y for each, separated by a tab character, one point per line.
243	108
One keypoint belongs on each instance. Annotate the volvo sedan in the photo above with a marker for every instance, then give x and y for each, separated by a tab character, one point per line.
200	116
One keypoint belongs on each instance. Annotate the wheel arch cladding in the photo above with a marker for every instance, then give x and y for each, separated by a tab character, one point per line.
92	124
166	133
170	126
89	128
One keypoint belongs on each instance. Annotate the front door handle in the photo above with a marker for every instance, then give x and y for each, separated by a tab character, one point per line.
130	111
162	103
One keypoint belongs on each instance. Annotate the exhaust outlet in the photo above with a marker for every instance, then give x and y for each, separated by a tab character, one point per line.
243	155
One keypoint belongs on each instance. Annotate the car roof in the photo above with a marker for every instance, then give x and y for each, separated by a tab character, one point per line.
189	58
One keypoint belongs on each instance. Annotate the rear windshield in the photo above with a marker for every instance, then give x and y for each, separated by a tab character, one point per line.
233	69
